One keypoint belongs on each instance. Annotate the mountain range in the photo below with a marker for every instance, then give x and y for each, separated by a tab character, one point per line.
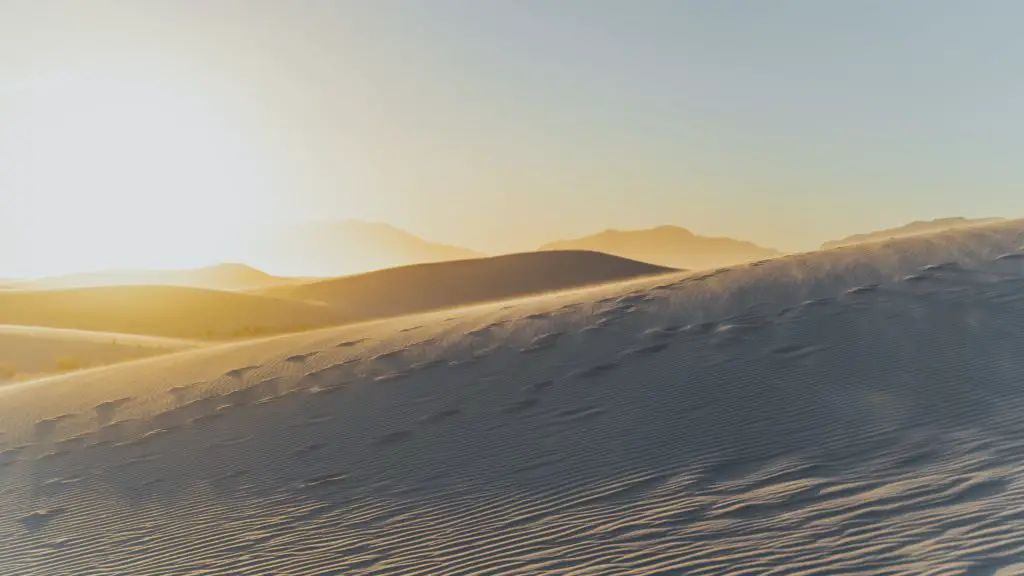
911	229
669	246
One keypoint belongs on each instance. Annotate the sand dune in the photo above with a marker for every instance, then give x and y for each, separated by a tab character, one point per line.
669	246
218	277
172	311
183	312
27	351
423	287
849	411
911	229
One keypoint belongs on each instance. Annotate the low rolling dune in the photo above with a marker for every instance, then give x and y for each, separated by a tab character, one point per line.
172	311
219	277
189	312
27	351
424	287
849	411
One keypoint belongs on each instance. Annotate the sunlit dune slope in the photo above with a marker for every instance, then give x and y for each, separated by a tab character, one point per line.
172	311
28	350
218	277
787	418
422	287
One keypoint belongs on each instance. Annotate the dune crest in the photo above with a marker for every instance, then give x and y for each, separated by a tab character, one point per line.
423	287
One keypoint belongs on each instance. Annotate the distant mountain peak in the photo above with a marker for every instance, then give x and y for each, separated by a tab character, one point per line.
909	229
668	245
339	247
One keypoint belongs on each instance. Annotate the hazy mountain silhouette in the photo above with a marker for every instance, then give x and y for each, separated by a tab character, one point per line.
670	246
334	248
916	227
228	276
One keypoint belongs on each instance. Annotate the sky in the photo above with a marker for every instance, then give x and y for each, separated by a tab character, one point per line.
166	132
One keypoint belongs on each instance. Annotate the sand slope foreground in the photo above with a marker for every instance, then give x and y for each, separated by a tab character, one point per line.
423	287
786	418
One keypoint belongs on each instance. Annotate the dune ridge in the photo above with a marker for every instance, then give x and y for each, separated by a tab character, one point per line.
422	287
836	412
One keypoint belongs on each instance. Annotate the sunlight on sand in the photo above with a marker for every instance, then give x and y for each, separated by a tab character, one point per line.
830	412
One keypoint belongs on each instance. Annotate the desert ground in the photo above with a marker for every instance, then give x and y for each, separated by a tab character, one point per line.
855	410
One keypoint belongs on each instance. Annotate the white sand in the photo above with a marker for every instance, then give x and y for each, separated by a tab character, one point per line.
783	418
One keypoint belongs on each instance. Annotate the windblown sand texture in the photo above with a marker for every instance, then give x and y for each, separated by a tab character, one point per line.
849	411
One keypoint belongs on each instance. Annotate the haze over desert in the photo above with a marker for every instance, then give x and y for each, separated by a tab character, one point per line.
532	288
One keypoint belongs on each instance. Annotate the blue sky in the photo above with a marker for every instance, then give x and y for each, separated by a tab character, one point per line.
503	124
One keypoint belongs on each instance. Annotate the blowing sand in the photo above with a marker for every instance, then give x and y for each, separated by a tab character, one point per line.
849	411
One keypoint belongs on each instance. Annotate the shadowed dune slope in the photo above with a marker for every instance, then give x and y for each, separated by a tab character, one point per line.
423	287
172	311
849	411
670	246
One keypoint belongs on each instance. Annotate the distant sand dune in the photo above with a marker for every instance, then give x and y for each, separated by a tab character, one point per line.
423	287
219	277
849	411
184	312
172	311
30	350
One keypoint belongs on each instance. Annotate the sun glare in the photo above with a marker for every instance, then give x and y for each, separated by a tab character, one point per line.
116	172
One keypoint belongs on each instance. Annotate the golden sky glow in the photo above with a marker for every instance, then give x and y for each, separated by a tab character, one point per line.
162	133
126	171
